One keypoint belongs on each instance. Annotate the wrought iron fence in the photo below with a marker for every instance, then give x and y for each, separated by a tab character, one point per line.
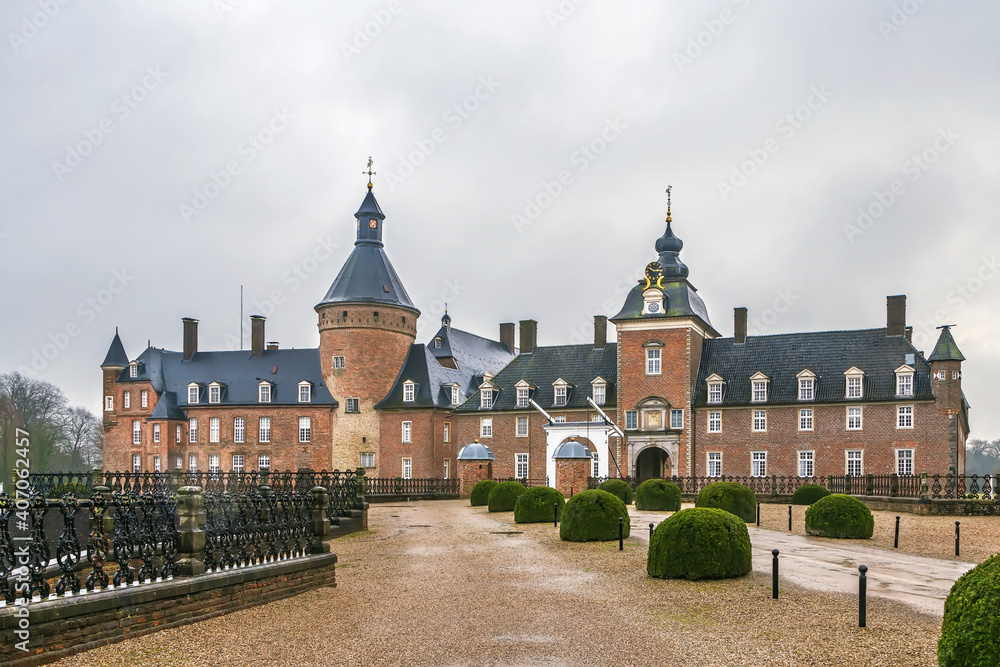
526	481
398	486
255	528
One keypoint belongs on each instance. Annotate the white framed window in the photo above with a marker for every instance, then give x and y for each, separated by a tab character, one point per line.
156	433
596	471
631	419
214	393
156	464
305	429
109	403
367	459
193	462
759	391
904	384
264	392
486	399
407	431
192	394
596	418
264	429
127	400
521	466
455	395
353	405
180	435
854	386
904	461
447	468
855	419
144	398
407	468
559	419
806	419
904	416
193	430
447	431
136	463
676	419
237	463
338	363
213	429
522	394
561	392
239	430
806	460
136	431
855	462
600	392
715	464
305	392
522	426
213	463
715	392
409	391
263	462
179	461
486	427
715	422
133	370
759	421
807	389
653	361
758	464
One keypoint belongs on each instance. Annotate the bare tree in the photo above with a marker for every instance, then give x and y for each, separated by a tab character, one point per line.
82	438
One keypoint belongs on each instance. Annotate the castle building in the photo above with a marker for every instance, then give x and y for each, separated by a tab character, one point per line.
669	396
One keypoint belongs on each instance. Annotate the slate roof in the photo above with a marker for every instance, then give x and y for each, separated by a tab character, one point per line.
682	301
577	364
116	357
472	354
946	348
828	354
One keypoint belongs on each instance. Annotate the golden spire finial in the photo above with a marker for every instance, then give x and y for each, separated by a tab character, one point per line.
369	172
669	188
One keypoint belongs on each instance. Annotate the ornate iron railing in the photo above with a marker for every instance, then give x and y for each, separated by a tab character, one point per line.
254	528
398	486
526	481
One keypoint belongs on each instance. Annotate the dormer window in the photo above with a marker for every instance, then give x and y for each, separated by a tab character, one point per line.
214	393
759	382
455	394
807	385
264	392
305	392
599	389
855	383
437	342
485	398
192	394
522	393
133	370
561	393
715	383
904	381
409	391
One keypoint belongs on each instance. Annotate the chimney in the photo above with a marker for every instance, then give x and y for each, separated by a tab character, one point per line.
507	335
190	338
529	335
896	315
256	335
740	326
272	345
600	332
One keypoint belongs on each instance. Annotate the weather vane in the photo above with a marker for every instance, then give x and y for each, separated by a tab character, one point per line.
369	172
669	188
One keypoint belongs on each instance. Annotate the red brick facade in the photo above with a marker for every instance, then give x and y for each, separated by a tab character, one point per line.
571	476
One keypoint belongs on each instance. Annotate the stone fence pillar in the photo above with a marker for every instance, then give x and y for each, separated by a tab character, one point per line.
320	521
190	531
923	487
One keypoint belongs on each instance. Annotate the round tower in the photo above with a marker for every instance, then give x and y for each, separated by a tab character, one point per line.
366	326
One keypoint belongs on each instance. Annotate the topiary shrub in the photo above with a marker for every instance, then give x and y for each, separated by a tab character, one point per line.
657	494
807	494
617	487
700	543
536	505
593	515
970	632
838	515
481	492
504	496
734	498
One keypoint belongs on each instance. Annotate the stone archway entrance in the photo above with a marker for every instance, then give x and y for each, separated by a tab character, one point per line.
652	463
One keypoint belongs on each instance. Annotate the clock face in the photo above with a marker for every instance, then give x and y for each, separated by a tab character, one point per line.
653	271
373	223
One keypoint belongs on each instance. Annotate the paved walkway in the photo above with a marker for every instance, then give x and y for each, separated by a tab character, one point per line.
823	564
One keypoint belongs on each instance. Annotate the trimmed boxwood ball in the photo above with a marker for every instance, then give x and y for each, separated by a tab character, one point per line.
481	492
593	515
838	515
807	494
700	543
536	505
504	496
657	494
734	498
617	487
970	632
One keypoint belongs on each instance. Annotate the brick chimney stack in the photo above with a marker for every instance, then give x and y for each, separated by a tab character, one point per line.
257	335
190	338
507	335
600	332
529	336
895	315
740	325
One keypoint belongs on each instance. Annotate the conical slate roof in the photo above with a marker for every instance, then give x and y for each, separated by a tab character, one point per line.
116	354
946	348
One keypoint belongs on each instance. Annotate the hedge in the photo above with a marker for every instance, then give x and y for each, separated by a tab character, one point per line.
481	492
734	498
536	505
807	494
700	543
619	488
504	496
838	515
657	494
593	515
970	631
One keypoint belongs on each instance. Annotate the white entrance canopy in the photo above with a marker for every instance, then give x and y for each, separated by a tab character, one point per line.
595	432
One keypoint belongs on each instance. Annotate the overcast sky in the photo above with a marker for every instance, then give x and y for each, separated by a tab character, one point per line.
157	156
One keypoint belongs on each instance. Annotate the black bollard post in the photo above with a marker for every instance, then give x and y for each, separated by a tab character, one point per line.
956	538
895	542
555	514
774	575
789	518
758	515
651	533
862	595
621	534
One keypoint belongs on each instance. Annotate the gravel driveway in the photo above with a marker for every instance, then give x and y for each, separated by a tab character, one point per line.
442	583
